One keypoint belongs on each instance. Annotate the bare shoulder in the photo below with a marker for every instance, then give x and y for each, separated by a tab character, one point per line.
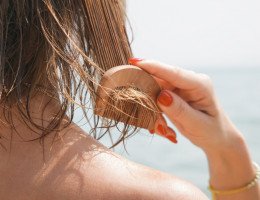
91	171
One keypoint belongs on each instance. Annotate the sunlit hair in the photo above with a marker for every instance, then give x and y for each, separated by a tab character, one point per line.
65	46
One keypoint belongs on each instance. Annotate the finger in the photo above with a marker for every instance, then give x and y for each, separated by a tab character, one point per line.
171	135
205	107
177	110
189	95
163	130
160	126
178	77
164	84
159	122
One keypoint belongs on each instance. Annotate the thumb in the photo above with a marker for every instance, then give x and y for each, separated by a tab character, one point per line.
177	110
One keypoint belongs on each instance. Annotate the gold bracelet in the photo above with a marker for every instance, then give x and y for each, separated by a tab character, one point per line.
237	190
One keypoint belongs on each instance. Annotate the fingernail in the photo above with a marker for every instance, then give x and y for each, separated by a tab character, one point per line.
171	135
165	98
152	131
170	131
134	61
161	129
172	138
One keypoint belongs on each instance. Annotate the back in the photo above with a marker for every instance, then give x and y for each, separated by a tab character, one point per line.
78	167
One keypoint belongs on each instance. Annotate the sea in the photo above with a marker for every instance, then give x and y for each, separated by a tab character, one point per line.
238	90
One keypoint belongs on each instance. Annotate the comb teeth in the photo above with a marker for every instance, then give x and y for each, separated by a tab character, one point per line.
130	106
128	94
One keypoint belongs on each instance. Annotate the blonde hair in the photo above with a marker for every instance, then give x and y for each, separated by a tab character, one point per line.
69	45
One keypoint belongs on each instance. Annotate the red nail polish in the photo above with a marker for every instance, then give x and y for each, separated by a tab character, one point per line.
171	131
161	129
152	131
134	61
172	138
165	98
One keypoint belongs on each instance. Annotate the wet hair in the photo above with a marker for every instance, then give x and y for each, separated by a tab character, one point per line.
64	46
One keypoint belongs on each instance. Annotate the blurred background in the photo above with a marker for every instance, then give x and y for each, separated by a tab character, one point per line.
218	37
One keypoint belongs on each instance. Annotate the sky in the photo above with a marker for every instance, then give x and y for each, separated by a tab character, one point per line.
197	33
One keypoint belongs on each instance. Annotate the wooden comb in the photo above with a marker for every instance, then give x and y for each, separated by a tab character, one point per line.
125	110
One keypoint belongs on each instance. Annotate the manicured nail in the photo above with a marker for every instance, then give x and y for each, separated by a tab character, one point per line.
172	138
134	61
152	131
171	135
161	129
170	131
165	98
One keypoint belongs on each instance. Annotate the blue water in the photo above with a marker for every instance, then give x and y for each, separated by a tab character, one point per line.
239	93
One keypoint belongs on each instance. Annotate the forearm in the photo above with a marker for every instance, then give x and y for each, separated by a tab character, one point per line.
190	103
231	167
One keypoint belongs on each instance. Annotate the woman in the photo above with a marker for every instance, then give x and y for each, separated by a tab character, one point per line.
35	51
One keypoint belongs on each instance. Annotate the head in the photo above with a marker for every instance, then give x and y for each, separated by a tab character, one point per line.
64	46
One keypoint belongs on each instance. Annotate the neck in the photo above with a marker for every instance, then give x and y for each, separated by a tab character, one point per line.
19	133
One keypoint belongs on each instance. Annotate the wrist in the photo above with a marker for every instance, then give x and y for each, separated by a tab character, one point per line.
226	137
231	142
230	166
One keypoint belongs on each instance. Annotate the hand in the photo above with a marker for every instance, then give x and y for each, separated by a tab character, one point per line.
189	101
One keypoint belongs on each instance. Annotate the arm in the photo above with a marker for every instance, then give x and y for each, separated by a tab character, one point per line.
231	167
188	100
